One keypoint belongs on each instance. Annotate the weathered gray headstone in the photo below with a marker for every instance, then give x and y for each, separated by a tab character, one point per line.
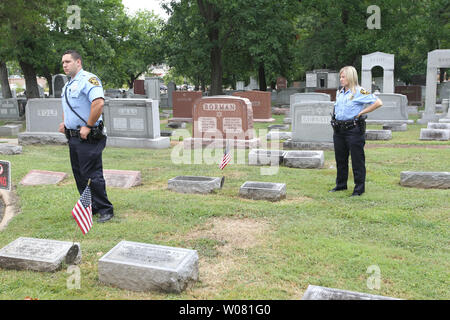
427	180
142	267
304	159
37	254
434	134
171	87
395	107
263	190
195	184
435	125
40	177
122	178
9	109
152	88
260	157
323	293
43	117
58	82
134	123
306	97
378	134
9	130
9	149
395	127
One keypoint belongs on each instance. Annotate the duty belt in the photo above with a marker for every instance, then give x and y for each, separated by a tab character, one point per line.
73	133
346	124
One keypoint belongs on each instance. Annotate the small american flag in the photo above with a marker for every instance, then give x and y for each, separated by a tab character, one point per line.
226	158
82	212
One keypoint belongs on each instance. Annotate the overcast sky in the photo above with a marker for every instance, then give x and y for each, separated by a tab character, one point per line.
155	5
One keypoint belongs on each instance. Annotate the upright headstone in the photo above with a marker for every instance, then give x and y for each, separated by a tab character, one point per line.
281	83
322	79
240	85
134	123
43	117
152	88
436	59
384	60
171	88
253	85
261	104
311	126
58	82
395	107
221	120
9	109
412	93
306	97
183	103
139	87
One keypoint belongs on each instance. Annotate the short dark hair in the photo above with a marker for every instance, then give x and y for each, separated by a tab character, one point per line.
75	54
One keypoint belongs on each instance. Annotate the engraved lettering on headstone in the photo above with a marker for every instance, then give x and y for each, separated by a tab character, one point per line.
136	124
128	111
120	124
315	119
207	124
47	113
232	125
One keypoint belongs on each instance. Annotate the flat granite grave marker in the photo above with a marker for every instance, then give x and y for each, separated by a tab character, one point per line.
122	178
395	126
9	130
40	177
323	293
195	184
304	159
141	267
38	254
10	149
434	134
263	190
261	157
378	134
426	180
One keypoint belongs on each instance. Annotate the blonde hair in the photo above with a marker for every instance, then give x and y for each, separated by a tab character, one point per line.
352	77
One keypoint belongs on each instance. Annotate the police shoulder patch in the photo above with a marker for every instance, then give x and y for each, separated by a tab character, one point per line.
364	91
94	81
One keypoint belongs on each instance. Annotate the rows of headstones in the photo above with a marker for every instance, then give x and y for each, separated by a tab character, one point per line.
219	121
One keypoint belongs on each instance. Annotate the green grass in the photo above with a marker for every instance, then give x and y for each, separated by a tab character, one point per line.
312	237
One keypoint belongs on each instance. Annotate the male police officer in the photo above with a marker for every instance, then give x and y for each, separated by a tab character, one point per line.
83	101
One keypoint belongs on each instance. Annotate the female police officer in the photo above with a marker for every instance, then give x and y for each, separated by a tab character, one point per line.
349	129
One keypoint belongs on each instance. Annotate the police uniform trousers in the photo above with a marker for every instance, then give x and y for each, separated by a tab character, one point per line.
86	161
350	142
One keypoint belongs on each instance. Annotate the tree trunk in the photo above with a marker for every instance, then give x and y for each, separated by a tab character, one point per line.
6	90
32	90
48	76
262	78
216	71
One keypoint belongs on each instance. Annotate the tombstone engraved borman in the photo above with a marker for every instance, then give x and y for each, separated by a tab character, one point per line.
134	123
40	177
43	117
323	293
306	97
9	109
261	104
436	59
221	120
183	103
37	254
142	267
384	60
311	126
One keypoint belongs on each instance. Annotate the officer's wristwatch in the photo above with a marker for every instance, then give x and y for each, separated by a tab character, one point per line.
90	127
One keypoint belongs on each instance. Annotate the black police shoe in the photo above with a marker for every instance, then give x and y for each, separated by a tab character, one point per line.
356	194
337	189
105	217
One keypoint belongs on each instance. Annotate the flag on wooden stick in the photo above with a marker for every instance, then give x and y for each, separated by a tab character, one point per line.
82	212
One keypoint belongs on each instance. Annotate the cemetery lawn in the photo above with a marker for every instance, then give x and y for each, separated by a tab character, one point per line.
250	249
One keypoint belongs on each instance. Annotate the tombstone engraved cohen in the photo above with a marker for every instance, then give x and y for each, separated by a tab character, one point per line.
221	120
143	267
134	123
40	177
43	117
311	126
122	178
37	254
183	103
323	293
9	109
261	104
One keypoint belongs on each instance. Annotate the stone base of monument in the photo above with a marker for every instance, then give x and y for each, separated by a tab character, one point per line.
263	191
144	143
438	125
434	134
38	254
195	143
195	184
147	267
27	138
304	145
280	127
426	180
9	149
323	293
378	134
445	120
9	130
383	122
264	120
279	135
262	157
177	123
395	126
41	177
427	117
122	178
280	111
304	159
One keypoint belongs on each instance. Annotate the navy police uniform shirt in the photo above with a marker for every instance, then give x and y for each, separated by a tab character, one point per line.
84	88
349	105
